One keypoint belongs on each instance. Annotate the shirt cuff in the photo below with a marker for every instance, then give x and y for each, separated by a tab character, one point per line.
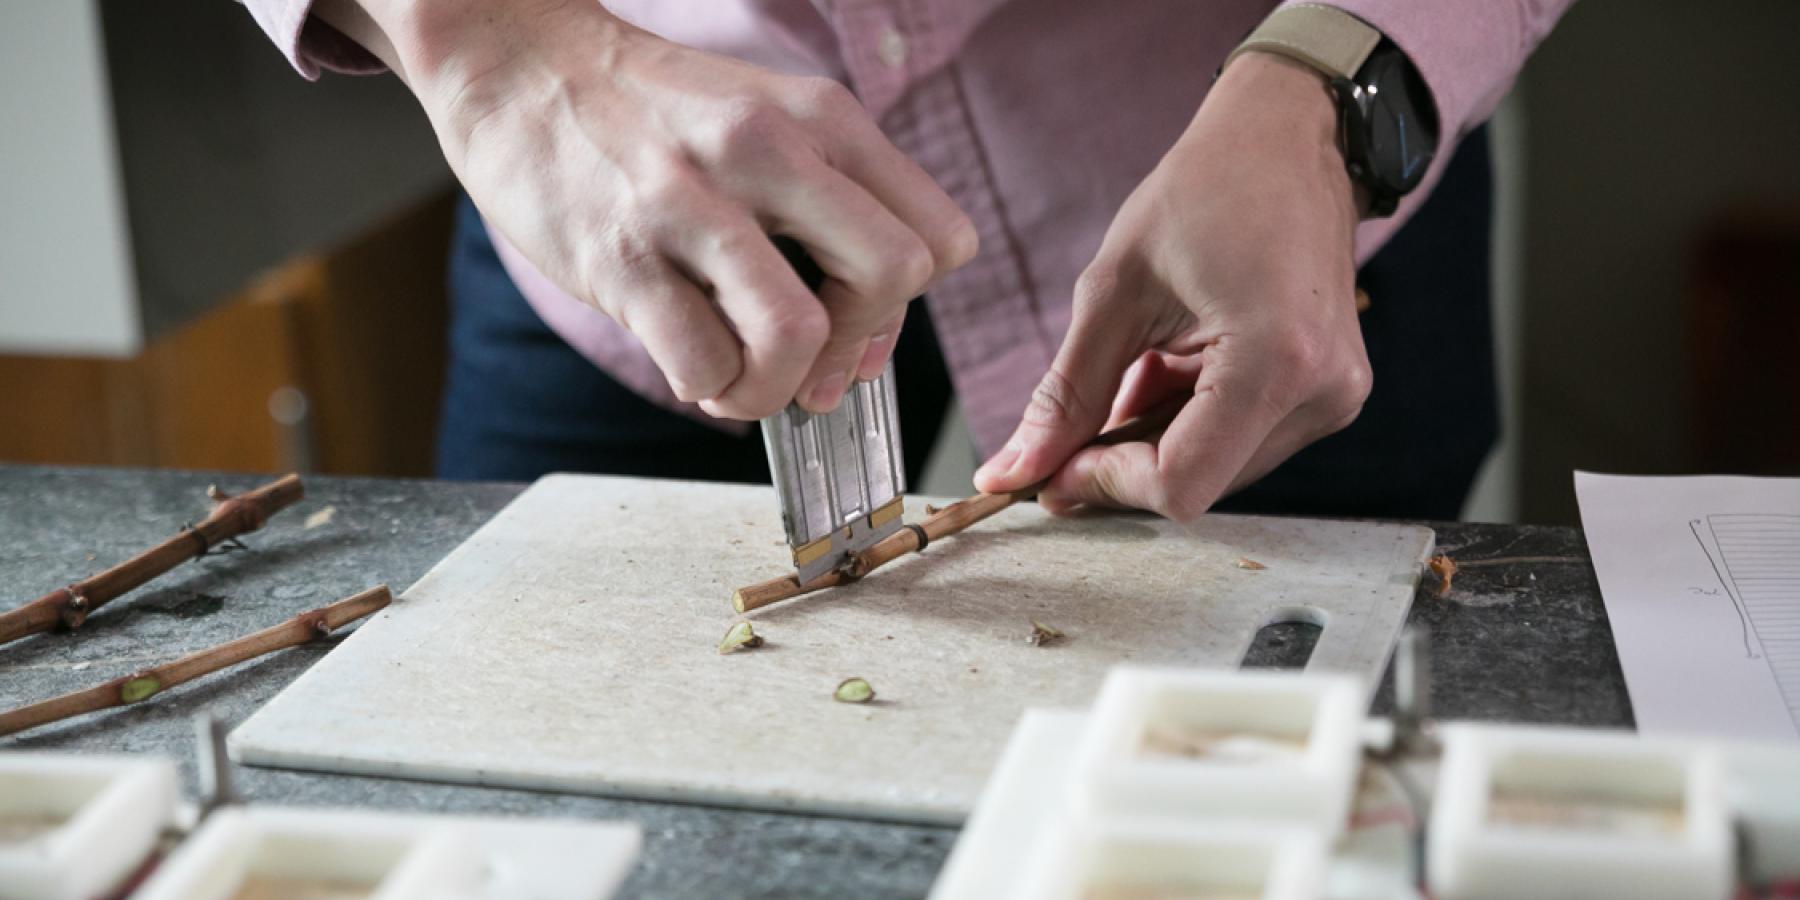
1468	51
309	44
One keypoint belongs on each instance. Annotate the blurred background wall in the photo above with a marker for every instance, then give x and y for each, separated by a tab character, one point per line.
207	261
274	295
1655	131
62	214
233	163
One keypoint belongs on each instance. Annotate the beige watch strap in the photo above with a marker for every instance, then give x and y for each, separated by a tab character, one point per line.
1324	37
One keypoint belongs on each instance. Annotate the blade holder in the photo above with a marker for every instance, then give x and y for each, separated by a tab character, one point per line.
839	475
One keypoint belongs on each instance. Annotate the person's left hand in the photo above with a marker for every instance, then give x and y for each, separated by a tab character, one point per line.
1227	273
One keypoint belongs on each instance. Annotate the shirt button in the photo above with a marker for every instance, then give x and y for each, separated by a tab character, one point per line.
891	48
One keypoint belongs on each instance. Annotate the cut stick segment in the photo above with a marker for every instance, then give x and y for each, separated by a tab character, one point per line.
142	685
232	516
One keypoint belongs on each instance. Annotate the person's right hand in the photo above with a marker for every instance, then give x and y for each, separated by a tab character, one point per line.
645	178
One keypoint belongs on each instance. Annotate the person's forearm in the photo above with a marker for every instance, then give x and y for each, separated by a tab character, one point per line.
463	57
452	42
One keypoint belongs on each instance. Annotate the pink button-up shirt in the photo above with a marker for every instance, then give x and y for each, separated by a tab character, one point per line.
1037	116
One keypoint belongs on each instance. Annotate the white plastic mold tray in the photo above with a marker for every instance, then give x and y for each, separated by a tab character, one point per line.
1186	744
1112	859
256	853
75	827
1524	812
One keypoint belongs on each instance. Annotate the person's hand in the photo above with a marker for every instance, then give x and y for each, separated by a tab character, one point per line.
1227	273
645	178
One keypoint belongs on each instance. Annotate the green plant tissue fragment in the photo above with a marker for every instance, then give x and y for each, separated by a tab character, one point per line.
139	688
740	637
854	690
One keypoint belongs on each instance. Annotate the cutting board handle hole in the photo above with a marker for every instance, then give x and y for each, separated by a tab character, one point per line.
1286	639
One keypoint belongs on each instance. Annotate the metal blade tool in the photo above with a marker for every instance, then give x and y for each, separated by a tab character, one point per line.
839	474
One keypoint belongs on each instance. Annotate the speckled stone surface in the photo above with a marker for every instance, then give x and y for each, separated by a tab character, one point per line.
1524	640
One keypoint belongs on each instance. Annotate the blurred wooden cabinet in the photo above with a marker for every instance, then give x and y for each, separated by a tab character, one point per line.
333	363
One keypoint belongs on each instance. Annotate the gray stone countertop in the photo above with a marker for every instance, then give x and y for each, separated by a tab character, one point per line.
1522	637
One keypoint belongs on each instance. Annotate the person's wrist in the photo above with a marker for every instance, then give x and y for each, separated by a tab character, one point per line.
456	54
1275	100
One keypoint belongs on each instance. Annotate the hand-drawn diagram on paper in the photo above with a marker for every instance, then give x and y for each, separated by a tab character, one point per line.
1701	577
1756	557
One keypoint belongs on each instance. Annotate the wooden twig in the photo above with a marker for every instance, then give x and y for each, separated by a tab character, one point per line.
940	523
142	685
231	516
1517	561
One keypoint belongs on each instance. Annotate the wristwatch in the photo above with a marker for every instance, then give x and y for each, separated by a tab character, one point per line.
1387	120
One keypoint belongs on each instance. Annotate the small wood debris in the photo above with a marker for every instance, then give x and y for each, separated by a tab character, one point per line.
257	887
1222	747
1043	635
322	517
740	637
1245	562
853	690
1575	812
1444	568
931	510
215	495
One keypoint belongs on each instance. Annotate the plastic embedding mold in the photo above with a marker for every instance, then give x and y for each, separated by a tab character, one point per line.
1137	860
72	828
292	854
1577	814
1231	785
1181	783
1184	744
1762	787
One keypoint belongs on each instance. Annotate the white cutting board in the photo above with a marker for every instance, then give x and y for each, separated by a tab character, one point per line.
571	644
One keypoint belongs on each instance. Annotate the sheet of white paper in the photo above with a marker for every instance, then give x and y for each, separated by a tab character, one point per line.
1701	577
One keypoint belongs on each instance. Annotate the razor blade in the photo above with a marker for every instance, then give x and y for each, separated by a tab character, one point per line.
839	474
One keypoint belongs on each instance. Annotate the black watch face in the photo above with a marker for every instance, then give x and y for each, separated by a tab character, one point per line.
1400	122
